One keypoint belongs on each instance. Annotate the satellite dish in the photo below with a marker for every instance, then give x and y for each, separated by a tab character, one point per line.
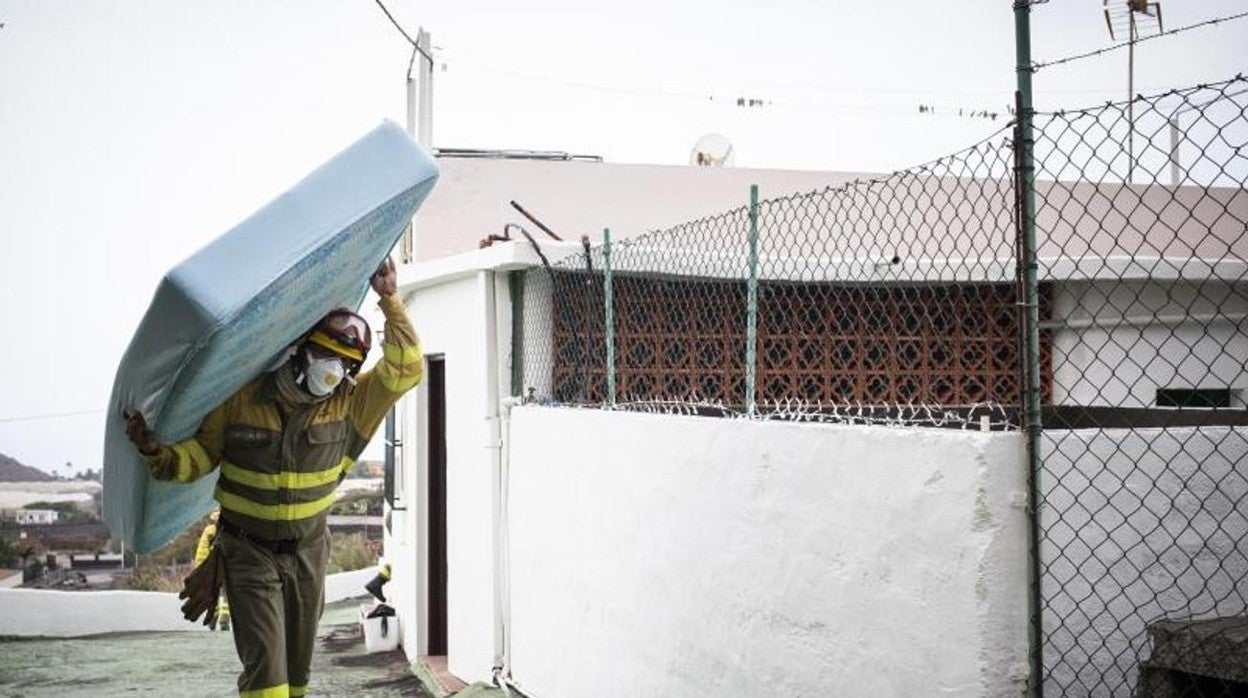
712	150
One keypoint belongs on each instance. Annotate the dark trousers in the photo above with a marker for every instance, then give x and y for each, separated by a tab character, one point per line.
276	599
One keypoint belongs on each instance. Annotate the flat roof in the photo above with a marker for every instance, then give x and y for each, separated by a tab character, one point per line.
195	663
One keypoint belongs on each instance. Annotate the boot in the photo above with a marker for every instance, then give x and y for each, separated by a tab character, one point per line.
374	587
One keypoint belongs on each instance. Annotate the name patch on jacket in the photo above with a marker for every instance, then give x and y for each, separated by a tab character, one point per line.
248	436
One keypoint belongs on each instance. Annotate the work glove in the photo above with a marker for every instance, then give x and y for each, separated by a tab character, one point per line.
143	438
202	588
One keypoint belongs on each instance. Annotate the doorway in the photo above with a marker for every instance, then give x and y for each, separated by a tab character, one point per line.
436	525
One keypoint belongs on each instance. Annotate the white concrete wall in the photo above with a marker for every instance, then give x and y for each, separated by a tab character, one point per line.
347	585
665	555
1161	533
45	613
451	322
48	613
1117	342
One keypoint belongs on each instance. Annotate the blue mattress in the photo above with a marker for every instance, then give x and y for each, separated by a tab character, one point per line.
224	315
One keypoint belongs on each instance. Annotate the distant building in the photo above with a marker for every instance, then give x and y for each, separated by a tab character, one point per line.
29	516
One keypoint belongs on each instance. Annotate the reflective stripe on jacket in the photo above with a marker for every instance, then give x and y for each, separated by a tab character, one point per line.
280	464
204	546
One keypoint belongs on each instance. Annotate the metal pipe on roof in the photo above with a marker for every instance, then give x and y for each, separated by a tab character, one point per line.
489	154
534	220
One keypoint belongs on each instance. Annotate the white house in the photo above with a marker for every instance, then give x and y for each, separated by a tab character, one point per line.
611	553
31	516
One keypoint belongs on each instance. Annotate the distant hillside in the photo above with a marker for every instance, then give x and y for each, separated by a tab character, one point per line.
13	471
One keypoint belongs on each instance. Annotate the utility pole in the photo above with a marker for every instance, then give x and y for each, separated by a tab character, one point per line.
419	116
425	118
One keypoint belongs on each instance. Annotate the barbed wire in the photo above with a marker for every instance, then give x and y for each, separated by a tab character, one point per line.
988	416
1218	88
1037	65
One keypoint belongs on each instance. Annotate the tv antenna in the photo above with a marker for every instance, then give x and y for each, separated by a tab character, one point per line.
1132	19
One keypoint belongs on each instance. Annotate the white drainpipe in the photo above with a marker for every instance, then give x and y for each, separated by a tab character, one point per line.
502	676
494	446
497	446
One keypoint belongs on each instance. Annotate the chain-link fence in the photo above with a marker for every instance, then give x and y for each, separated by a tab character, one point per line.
901	300
1144	453
891	299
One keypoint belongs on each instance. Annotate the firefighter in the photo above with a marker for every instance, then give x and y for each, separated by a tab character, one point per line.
207	538
283	443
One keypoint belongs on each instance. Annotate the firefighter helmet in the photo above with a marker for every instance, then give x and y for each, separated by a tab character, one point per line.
345	333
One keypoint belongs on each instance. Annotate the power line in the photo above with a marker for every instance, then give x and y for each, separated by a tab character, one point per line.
53	415
599	87
412	61
395	23
454	58
744	101
416	47
1178	30
965	113
921	97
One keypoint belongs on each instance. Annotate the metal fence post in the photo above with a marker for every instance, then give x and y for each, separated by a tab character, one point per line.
751	310
609	303
1026	221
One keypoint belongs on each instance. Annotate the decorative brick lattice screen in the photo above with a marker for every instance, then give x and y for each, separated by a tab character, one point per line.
682	340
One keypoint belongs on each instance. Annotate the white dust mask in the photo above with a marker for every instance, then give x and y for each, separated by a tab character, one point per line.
323	375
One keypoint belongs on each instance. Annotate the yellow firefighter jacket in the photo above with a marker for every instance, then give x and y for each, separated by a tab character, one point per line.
204	546
281	463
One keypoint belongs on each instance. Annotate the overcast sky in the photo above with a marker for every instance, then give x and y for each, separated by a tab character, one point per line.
132	132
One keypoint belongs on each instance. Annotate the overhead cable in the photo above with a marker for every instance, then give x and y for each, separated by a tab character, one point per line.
54	415
746	102
407	36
